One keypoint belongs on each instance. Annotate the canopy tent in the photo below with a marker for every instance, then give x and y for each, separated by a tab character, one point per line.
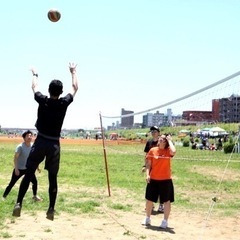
217	129
205	130
213	132
217	132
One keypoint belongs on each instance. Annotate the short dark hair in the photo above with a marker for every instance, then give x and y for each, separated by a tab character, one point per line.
26	132
55	88
154	128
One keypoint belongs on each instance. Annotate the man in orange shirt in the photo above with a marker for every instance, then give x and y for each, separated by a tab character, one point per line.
159	179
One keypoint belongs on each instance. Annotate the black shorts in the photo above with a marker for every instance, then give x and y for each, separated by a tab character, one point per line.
162	188
45	149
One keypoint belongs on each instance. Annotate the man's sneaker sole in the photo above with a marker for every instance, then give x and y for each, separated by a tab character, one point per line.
17	210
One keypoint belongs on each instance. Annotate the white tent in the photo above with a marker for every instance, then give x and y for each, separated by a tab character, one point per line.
217	131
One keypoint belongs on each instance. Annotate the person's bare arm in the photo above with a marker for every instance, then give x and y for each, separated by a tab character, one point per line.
171	145
72	68
34	80
148	167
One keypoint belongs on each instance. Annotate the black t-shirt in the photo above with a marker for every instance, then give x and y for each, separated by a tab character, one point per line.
150	143
51	113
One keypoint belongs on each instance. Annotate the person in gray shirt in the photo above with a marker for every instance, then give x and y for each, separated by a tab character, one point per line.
20	158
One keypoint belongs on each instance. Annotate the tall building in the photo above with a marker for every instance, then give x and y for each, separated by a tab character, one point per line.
147	120
215	110
169	116
154	119
127	122
229	109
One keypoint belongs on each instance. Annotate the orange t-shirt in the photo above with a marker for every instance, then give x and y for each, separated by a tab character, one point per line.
161	165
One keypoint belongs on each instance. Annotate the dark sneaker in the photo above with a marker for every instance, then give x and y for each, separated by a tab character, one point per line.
17	210
50	214
161	208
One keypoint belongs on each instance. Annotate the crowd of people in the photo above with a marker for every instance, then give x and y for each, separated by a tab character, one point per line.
204	143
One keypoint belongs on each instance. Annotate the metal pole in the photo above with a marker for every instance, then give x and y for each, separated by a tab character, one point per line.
105	155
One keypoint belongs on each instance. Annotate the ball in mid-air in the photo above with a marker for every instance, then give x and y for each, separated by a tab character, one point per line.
54	15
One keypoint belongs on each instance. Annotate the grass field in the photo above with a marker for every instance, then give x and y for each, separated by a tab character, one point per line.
199	175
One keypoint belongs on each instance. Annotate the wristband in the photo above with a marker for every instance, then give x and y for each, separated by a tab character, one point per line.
35	74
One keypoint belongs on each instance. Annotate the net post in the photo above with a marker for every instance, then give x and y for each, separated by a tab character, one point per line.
105	155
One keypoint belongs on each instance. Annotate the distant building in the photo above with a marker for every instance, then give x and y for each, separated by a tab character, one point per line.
176	120
147	120
228	109
126	122
215	110
194	117
159	119
153	119
169	115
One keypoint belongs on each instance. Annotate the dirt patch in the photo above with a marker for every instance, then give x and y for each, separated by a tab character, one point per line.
213	172
118	225
77	141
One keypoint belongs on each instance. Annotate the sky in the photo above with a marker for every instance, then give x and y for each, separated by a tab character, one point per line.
131	54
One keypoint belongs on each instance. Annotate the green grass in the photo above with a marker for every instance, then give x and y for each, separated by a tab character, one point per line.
198	177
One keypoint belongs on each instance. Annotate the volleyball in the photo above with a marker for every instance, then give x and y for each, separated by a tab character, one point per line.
54	15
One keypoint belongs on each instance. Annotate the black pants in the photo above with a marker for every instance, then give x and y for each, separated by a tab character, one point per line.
50	151
15	178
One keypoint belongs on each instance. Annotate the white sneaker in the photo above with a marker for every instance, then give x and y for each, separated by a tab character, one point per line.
146	221
164	224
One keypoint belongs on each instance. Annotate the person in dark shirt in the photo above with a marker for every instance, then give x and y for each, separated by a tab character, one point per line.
50	117
152	142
